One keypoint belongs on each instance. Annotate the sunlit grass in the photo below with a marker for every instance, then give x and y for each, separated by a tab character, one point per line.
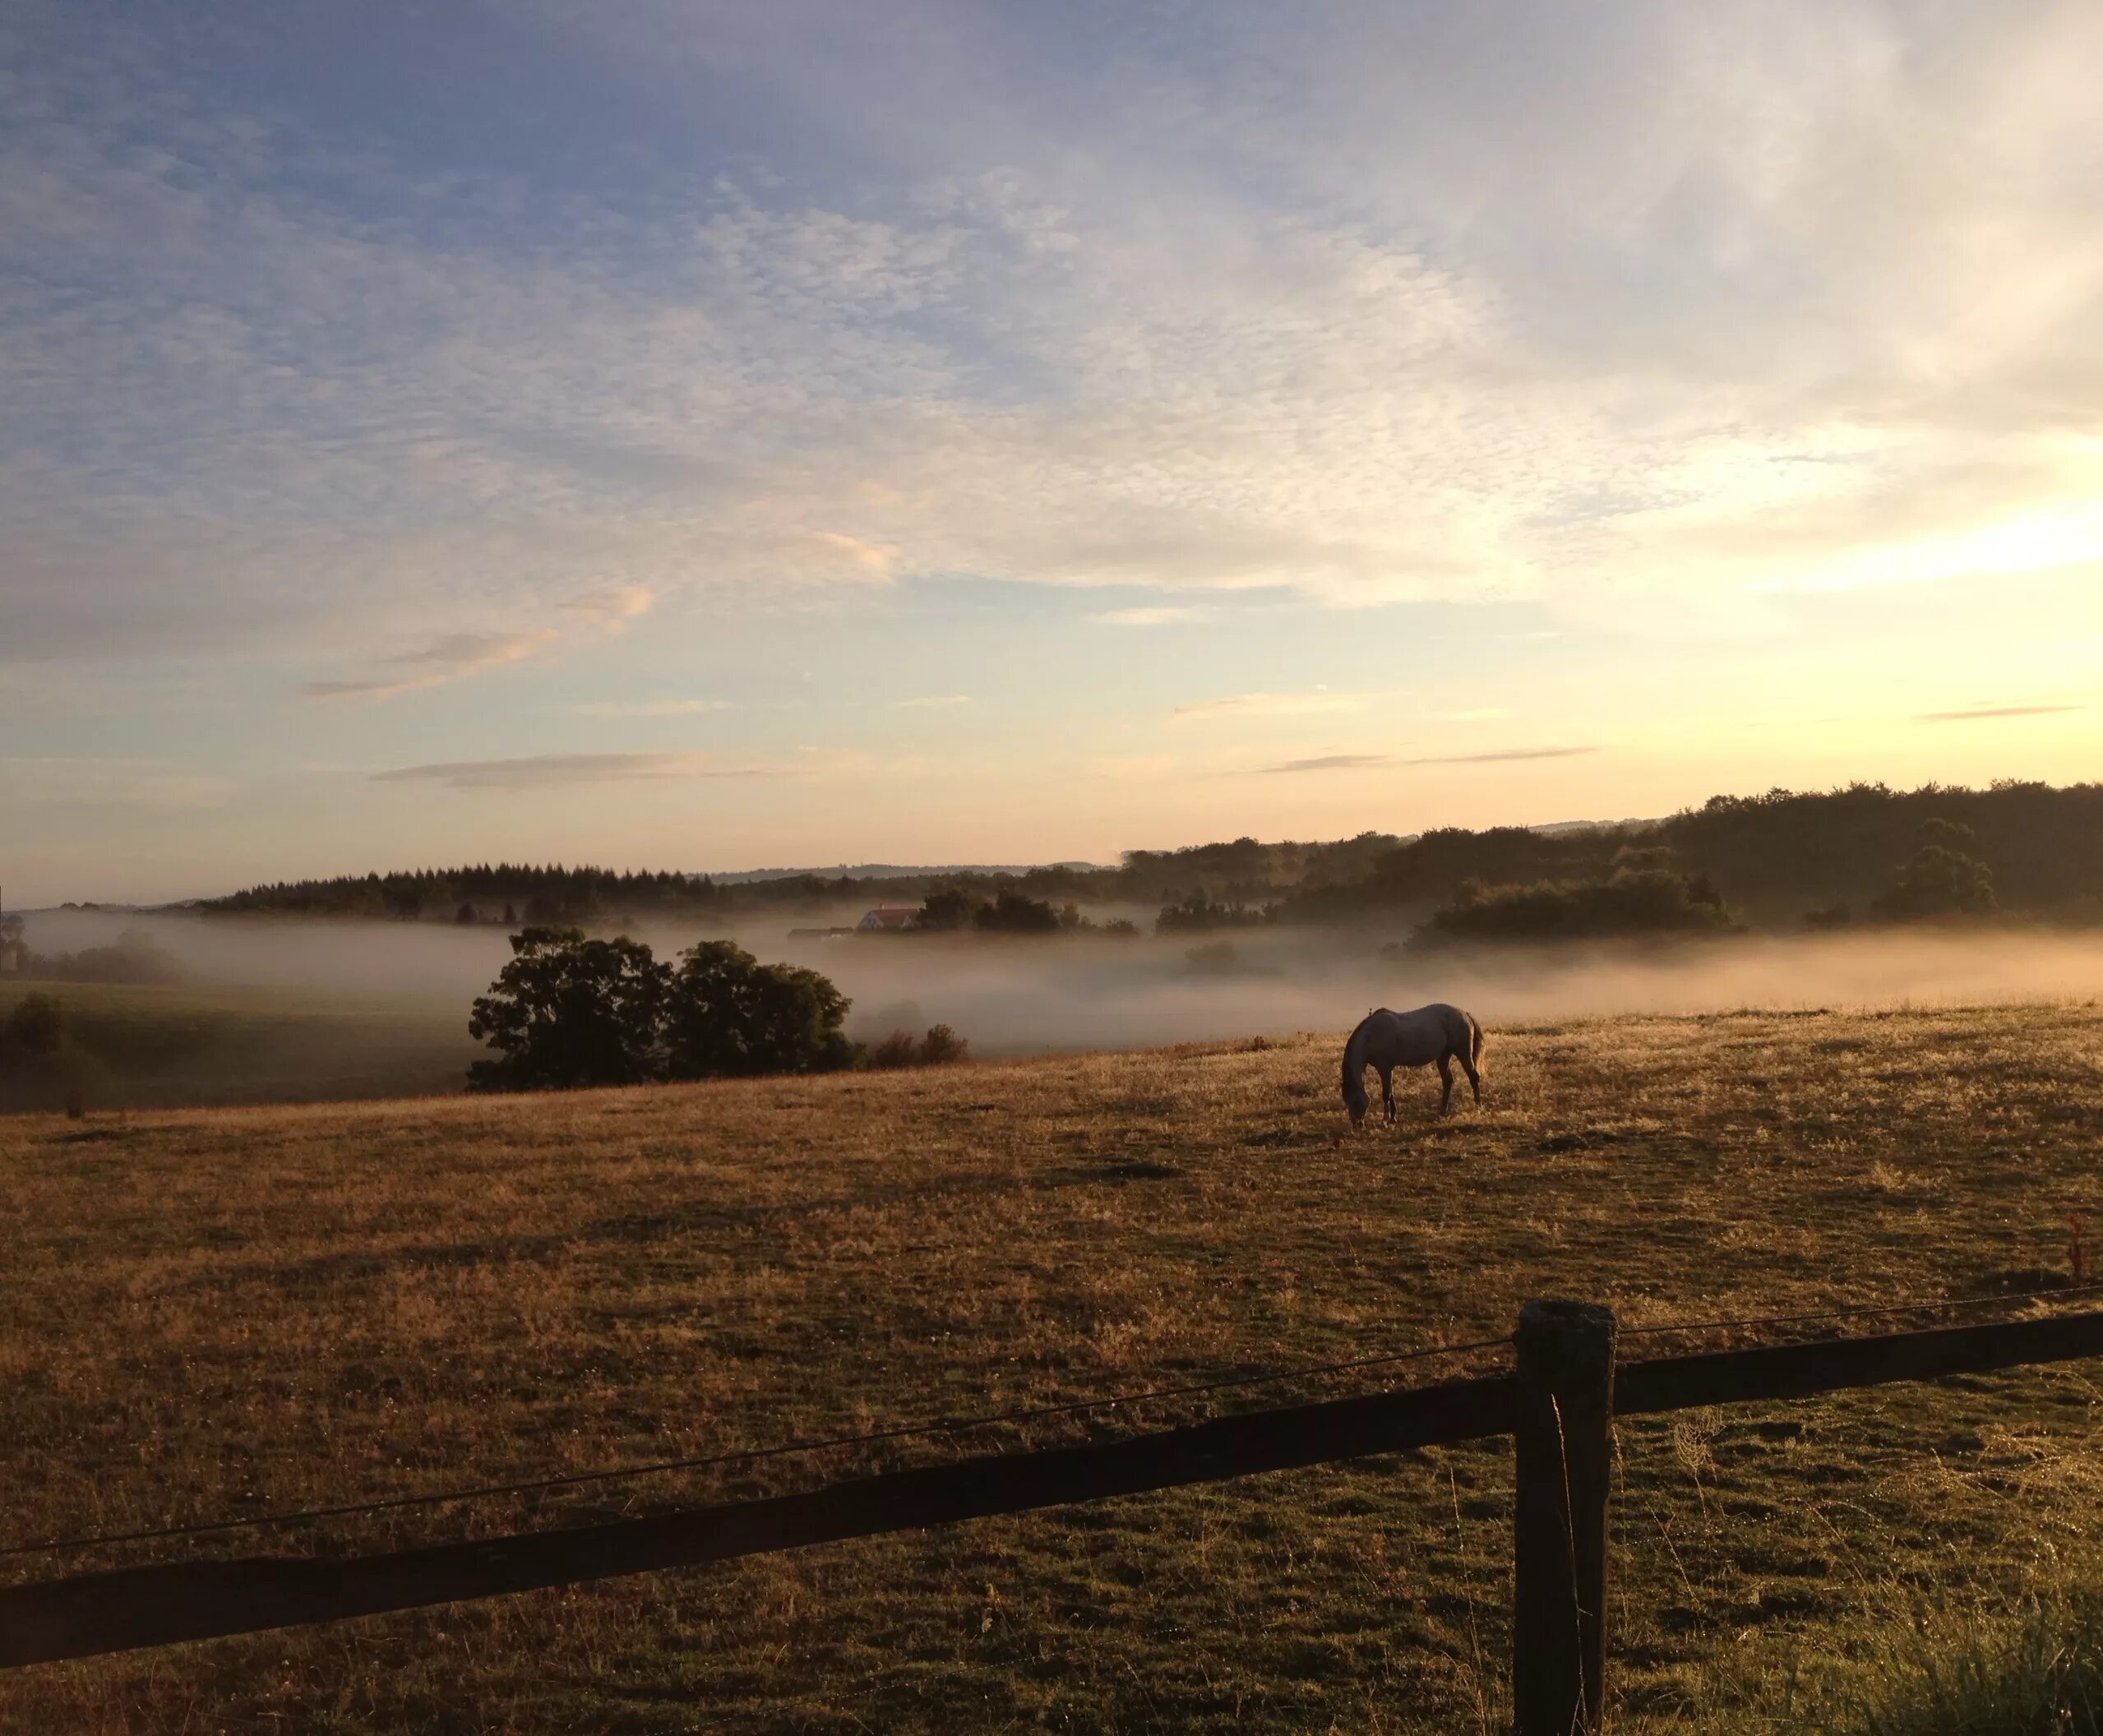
216	1312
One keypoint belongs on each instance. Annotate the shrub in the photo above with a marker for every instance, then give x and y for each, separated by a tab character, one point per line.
898	1049
942	1045
568	1011
35	1030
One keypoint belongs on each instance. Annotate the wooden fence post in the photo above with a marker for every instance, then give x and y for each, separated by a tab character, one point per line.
1564	1451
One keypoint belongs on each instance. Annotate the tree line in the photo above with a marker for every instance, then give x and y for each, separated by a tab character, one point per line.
1778	858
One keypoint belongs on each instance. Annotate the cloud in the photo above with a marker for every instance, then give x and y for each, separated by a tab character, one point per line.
615	605
540	770
1691	302
452	658
1980	712
456	657
1355	762
1318	704
933	702
1332	762
653	708
1509	753
1159	616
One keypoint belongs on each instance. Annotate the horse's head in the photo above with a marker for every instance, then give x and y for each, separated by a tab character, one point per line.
1355	1102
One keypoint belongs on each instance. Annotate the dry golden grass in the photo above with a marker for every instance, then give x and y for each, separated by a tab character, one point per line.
214	1313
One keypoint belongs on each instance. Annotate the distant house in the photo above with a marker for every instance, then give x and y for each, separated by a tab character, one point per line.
889	919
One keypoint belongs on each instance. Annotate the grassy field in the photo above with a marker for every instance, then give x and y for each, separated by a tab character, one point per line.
184	1045
216	1312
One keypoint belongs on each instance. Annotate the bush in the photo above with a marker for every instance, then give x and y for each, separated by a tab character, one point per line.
568	1011
728	1015
898	1049
35	1030
942	1045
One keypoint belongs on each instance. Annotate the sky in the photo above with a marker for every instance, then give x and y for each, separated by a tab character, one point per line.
717	435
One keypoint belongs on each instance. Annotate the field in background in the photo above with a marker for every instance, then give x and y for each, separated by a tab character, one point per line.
280	1010
222	1312
205	1043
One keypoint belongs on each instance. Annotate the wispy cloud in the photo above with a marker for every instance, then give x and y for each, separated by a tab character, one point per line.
653	708
933	702
1153	616
599	613
1317	703
1332	762
614	605
452	658
1502	754
539	770
1980	712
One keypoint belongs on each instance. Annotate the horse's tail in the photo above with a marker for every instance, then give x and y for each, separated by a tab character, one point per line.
1474	1026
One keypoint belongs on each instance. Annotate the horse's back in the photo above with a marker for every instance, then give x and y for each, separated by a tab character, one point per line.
1418	1037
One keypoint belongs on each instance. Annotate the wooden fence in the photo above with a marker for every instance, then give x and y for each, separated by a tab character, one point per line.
1559	1403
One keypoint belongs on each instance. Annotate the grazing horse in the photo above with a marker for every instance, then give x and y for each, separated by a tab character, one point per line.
1388	1040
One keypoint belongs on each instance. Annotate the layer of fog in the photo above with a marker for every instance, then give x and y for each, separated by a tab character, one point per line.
1024	995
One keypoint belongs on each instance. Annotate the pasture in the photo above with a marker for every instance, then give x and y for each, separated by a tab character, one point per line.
188	1045
211	1313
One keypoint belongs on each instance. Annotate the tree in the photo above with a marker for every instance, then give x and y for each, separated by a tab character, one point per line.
1018	913
568	1011
1198	914
949	907
1939	881
726	1015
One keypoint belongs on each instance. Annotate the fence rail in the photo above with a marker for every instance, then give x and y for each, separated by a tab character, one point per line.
1559	1405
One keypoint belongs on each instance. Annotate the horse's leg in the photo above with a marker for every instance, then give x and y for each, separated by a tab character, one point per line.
1387	1093
1474	1078
1446	1079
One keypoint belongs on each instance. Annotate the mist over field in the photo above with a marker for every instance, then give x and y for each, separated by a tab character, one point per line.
1016	996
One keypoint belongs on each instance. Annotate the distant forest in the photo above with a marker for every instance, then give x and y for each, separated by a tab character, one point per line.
1775	860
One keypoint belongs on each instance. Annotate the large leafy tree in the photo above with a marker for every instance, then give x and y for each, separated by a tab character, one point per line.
1939	881
568	1011
726	1015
